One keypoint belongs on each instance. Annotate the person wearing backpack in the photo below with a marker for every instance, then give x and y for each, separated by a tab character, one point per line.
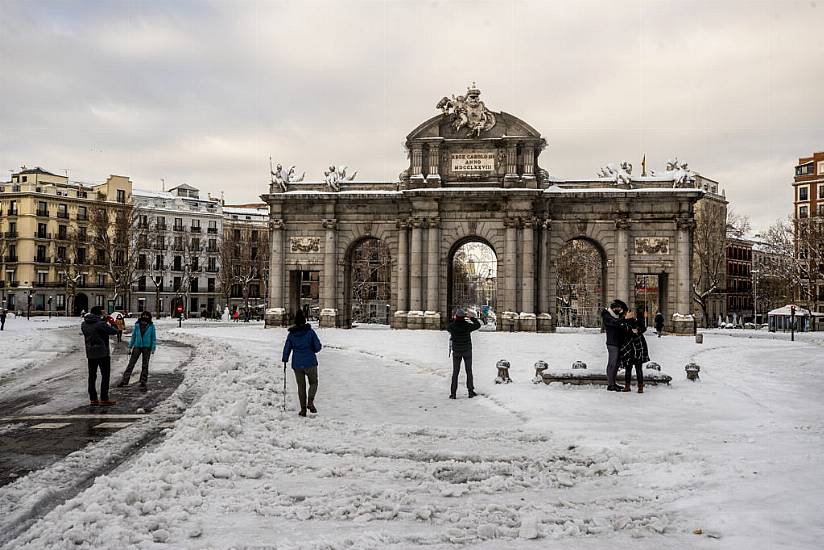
142	344
302	344
96	331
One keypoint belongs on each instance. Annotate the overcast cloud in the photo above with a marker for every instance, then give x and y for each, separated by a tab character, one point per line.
204	92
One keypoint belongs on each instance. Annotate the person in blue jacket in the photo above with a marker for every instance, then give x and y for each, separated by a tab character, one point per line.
302	343
142	344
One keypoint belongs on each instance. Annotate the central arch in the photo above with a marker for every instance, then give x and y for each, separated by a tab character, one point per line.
581	283
368	283
472	276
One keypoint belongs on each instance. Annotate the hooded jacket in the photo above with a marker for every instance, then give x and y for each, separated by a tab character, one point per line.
143	337
303	344
614	326
460	332
96	331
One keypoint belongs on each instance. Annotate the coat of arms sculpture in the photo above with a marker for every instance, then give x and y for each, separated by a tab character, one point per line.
468	112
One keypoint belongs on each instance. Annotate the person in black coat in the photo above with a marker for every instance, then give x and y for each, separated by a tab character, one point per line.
96	331
659	323
612	320
634	352
460	337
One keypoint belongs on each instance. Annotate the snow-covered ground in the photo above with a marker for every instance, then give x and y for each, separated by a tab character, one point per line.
24	342
731	461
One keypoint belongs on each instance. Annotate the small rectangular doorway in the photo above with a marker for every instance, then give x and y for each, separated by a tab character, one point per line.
304	293
649	294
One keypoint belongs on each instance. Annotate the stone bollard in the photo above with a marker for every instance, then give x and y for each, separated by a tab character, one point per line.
699	338
579	365
692	371
540	367
503	372
652	365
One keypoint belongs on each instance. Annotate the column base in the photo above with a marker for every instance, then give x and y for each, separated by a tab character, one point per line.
414	320
433	180
527	322
275	317
683	325
432	320
508	321
328	318
545	323
399	319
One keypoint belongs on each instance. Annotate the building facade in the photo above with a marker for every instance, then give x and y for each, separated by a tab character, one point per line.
61	242
710	253
474	176
739	279
808	191
245	257
178	237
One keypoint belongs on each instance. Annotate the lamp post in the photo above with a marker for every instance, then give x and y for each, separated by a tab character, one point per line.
50	304
792	323
755	297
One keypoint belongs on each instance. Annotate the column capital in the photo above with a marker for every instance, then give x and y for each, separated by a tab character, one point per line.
402	223
546	224
511	222
622	224
330	223
277	223
685	223
528	222
433	222
416	223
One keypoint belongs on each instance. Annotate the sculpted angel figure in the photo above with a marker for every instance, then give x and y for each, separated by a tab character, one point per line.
283	178
468	112
334	176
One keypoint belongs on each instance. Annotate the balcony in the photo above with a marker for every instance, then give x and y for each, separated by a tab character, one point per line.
160	226
212	230
62	215
12	212
42	260
212	269
178	228
43	212
82	217
10	234
194	229
42	235
10	259
212	249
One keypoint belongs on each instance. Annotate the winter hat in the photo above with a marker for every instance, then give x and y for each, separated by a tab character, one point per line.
460	312
96	310
300	318
619	303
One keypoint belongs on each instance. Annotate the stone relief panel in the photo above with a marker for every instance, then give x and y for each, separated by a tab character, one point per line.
304	244
652	245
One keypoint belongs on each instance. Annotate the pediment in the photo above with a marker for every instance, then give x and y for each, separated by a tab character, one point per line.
442	126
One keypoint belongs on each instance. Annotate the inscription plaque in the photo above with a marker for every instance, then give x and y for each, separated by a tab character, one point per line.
472	162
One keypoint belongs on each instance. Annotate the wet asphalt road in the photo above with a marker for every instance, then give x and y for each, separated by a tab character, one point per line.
44	411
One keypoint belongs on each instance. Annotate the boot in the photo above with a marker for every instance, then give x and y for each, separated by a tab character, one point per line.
452	396
640	388
94	402
143	386
311	407
107	402
302	412
123	383
472	394
627	388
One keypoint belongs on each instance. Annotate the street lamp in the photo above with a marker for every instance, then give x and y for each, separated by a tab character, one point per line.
50	304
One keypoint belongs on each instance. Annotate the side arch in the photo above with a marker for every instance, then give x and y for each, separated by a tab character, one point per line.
367	281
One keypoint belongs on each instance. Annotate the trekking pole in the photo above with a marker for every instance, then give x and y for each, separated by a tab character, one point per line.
284	387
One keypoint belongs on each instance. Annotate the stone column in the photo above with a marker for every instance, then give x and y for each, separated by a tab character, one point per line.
432	318
545	292
417	163
276	312
622	291
508	317
682	321
529	160
527	317
415	279
511	160
434	160
403	274
329	312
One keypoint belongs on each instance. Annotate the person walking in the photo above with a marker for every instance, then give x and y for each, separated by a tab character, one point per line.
612	320
96	331
236	315
120	325
460	336
634	352
303	344
659	323
143	344
2	318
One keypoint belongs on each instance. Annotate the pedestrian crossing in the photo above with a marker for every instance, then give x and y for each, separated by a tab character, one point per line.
67	421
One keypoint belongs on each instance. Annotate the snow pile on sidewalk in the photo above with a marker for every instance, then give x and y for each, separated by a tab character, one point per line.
391	463
25	342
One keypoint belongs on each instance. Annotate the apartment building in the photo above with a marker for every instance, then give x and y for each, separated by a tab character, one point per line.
178	237
808	195
60	245
739	287
245	259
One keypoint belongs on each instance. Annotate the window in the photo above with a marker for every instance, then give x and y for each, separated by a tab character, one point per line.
41	231
98	300
195	264
159	262
212	226
61	253
144	221
81	255
141	283
803	194
193	285
141	261
41	254
159	284
212	245
101	280
821	167
178	224
177	265
803	211
210	284
821	209
804	169
41	277
160	222
121	196
196	226
60	301
42	208
177	283
211	265
82	214
821	191
13	208
62	232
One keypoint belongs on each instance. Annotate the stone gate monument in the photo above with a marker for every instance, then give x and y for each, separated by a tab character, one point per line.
474	175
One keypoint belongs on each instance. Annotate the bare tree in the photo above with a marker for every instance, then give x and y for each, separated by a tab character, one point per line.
227	260
68	267
154	244
116	237
798	246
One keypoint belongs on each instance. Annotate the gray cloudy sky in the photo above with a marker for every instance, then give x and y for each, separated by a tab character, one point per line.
203	92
